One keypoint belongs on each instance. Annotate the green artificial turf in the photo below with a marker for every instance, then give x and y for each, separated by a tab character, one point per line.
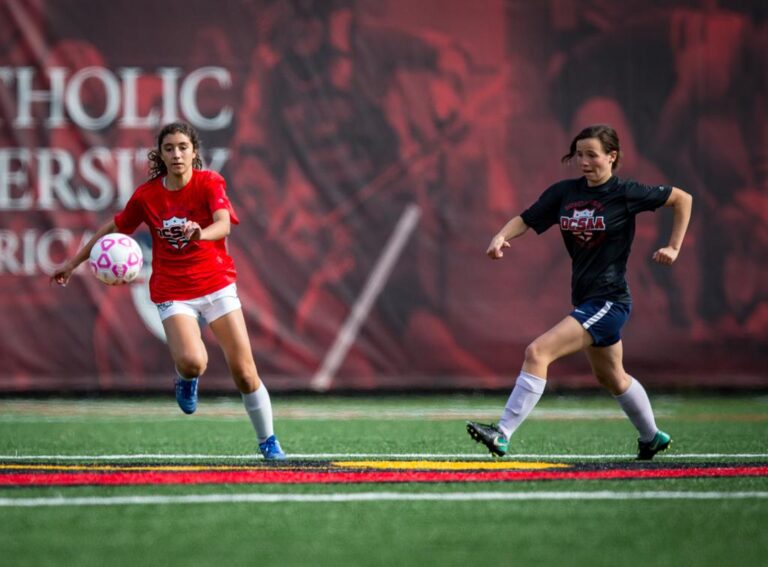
577	530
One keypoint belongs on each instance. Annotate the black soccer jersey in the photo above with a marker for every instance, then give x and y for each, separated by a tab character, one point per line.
598	226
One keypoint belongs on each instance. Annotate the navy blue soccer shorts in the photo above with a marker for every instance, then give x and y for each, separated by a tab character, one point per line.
602	319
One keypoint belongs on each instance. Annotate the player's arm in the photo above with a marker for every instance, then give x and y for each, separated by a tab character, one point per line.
62	275
514	228
681	203
217	230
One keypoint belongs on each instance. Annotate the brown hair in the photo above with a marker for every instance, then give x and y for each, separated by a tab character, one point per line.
156	163
607	136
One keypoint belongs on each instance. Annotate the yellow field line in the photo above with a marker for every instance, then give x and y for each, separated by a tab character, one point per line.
449	465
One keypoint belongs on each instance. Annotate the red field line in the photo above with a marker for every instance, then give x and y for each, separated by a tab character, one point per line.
344	477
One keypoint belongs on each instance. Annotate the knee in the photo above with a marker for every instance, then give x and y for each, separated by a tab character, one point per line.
246	377
535	355
615	382
191	365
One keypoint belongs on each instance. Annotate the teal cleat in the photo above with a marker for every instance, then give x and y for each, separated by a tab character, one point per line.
647	449
490	436
271	449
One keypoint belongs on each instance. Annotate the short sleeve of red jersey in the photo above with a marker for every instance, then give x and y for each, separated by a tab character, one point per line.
217	196
129	219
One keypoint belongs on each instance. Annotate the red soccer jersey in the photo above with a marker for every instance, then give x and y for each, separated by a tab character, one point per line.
182	269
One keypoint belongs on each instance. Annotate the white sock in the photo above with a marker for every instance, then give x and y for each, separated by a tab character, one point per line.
525	395
637	406
259	408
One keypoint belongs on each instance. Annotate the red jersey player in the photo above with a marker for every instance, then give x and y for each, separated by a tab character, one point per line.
189	215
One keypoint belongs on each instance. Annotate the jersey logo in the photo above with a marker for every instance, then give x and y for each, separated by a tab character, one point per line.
172	232
583	224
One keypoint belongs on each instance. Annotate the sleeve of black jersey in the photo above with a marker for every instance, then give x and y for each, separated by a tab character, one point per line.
544	212
642	197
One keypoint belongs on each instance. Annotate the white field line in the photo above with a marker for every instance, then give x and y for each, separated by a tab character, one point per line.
369	497
66	414
420	456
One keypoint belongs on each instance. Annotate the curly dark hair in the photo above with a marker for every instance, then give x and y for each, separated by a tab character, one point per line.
156	164
608	137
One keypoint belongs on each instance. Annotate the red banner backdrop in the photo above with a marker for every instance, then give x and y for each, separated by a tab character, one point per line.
371	149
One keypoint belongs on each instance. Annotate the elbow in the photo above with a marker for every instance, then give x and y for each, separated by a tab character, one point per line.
680	199
687	201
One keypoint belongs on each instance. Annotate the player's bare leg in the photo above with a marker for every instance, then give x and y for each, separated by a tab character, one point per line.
608	368
565	338
232	334
189	356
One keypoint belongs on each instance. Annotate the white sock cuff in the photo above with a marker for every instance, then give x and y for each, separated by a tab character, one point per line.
531	383
256	399
626	392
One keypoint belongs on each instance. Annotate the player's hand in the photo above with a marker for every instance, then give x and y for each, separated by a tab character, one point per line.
192	231
665	256
63	274
495	248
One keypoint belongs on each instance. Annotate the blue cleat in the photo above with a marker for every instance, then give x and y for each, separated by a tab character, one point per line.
186	394
271	449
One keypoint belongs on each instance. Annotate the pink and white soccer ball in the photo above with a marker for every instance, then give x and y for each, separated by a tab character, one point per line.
116	259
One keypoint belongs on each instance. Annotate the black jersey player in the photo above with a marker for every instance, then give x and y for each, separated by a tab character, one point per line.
596	215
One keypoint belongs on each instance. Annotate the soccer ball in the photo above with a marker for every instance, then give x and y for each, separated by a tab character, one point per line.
116	259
